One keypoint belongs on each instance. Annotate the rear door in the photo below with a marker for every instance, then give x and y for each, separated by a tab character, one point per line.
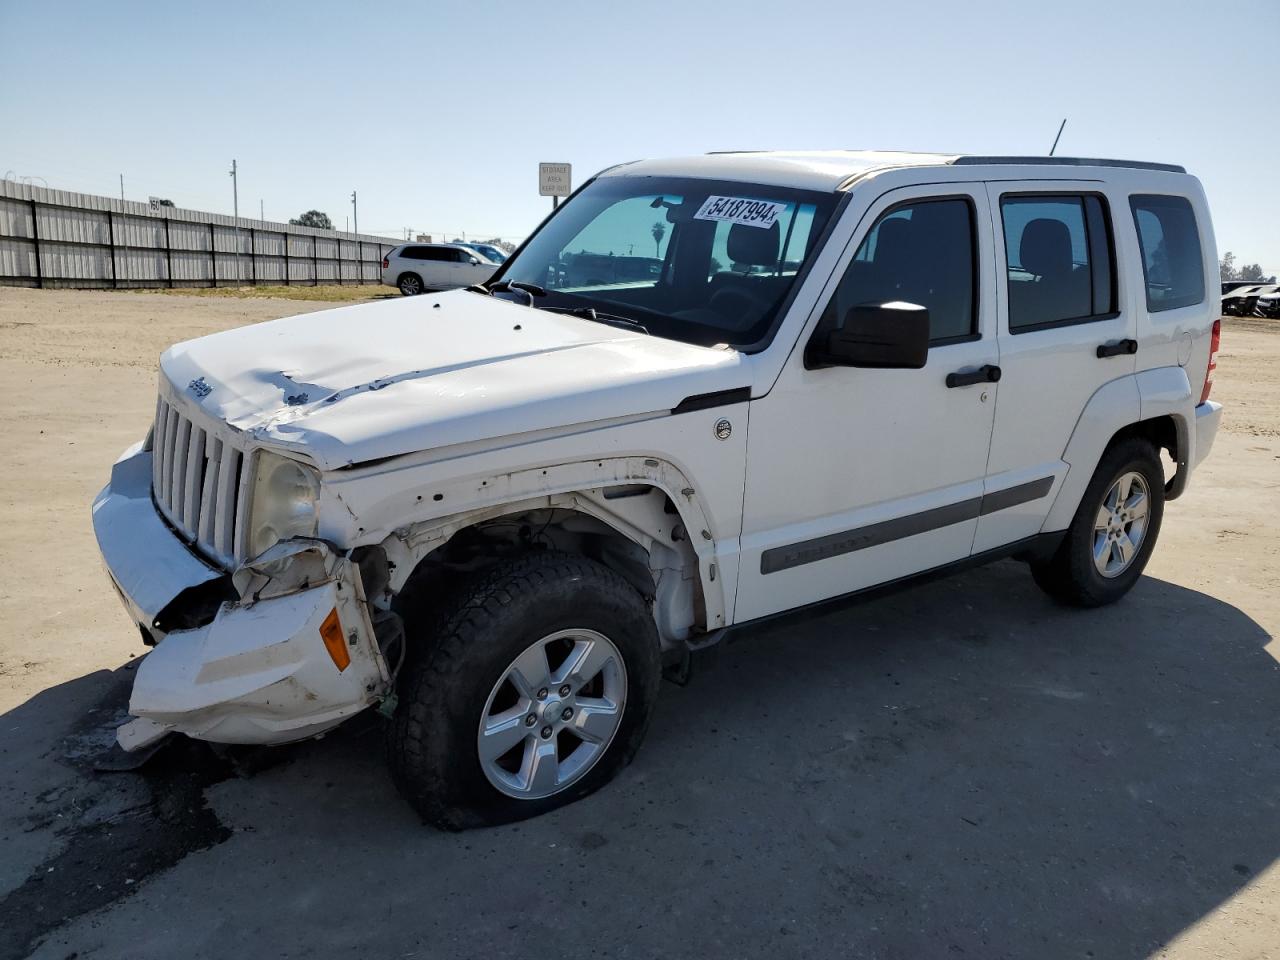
1060	299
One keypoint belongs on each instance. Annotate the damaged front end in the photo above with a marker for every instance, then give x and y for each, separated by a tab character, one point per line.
284	648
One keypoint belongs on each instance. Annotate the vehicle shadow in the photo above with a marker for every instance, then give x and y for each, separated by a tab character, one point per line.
963	769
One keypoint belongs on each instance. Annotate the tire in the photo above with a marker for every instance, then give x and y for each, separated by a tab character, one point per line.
462	679
410	284
1074	574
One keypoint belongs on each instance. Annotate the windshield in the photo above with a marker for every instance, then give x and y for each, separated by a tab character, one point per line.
702	261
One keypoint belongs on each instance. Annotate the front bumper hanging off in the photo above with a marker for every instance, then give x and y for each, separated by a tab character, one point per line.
291	654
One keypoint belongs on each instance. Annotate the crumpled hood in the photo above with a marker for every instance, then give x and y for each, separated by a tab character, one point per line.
381	379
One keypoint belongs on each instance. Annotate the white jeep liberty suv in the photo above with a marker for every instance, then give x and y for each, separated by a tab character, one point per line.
706	391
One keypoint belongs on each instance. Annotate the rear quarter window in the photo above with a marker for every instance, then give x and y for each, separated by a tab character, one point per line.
1172	260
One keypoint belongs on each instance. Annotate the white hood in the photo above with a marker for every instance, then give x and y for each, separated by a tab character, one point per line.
376	380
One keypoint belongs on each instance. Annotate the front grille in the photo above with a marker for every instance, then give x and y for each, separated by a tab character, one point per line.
196	482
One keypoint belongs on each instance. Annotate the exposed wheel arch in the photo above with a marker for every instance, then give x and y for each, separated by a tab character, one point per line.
635	529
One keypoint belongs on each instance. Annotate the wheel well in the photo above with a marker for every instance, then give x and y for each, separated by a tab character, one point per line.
664	574
1163	433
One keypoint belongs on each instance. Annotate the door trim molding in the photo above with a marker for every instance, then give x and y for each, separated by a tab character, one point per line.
875	534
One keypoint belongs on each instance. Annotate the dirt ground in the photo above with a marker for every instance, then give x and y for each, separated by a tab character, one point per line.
960	770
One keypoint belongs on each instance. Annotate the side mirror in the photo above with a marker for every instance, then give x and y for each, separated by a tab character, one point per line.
885	335
473	261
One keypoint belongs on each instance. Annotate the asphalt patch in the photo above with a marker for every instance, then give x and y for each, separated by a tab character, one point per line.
116	830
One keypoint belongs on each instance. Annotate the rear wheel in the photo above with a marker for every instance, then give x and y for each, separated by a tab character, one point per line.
1113	532
410	284
533	691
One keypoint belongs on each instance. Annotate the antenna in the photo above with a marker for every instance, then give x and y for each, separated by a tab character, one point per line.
1055	139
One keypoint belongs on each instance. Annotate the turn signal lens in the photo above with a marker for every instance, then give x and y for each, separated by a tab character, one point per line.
334	641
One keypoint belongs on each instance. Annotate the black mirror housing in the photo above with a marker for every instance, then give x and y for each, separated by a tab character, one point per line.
880	335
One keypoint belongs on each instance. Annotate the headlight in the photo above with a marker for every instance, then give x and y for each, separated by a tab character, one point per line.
285	493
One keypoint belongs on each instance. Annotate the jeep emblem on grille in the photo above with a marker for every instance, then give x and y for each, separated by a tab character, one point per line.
199	387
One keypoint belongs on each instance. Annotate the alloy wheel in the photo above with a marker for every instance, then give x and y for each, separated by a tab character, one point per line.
552	714
1121	525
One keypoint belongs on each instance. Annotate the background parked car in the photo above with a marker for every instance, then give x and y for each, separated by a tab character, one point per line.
1248	301
488	251
417	267
1268	304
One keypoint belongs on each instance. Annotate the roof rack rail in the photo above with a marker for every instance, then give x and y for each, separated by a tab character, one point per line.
967	161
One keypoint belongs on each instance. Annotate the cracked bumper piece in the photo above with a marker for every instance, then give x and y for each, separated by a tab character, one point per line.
292	661
260	673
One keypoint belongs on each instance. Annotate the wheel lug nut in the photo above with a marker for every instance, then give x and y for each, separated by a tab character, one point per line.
542	694
564	691
566	714
530	720
546	733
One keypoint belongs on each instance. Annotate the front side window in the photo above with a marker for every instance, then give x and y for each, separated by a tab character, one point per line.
1058	256
1172	262
921	252
703	261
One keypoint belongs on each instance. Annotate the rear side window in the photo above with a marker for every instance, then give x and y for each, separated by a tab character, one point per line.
1172	262
921	252
1059	260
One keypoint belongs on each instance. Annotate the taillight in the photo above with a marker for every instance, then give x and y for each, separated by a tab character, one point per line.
386	262
1213	360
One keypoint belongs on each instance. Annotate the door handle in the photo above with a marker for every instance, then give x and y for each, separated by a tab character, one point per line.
1117	348
987	373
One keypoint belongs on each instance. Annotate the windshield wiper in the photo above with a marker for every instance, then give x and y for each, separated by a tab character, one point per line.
591	313
502	286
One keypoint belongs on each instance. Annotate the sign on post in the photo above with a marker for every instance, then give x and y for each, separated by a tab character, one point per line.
156	205
555	179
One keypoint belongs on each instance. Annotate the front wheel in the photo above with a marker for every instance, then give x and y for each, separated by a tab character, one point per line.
534	691
1113	532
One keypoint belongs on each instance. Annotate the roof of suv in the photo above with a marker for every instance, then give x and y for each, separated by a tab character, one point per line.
835	169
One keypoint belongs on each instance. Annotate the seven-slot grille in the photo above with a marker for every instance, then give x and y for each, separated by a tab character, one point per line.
195	478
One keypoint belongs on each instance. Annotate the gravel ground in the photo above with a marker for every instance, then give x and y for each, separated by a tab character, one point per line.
960	770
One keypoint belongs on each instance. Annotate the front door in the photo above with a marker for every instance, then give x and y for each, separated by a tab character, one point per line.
857	477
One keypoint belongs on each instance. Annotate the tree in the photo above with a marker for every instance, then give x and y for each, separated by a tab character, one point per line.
1228	266
313	218
1249	271
659	231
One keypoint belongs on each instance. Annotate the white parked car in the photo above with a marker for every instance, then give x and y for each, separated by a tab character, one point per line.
497	515
415	268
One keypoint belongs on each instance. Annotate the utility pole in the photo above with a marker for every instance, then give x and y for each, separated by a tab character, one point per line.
261	215
355	213
235	210
122	188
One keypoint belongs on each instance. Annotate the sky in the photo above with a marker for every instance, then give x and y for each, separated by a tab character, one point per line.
437	114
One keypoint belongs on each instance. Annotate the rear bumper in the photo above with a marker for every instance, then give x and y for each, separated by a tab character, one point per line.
258	670
1208	417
